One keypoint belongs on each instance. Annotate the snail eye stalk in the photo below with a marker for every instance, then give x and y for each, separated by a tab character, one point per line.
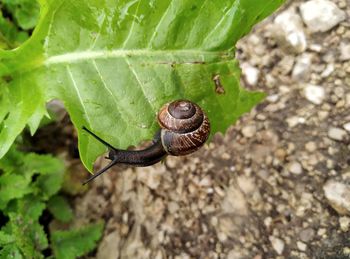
113	163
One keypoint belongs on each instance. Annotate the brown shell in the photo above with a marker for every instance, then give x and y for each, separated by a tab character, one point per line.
169	122
183	136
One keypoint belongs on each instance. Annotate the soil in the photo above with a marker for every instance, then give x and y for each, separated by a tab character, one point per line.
255	192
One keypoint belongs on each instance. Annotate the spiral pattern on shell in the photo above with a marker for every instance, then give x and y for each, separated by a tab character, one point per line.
185	127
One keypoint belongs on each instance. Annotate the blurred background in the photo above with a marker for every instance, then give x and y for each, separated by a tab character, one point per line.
276	185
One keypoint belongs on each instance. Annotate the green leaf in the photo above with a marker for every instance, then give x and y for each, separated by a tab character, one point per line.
16	181
13	186
114	64
26	12
60	208
74	243
10	251
6	238
10	35
24	215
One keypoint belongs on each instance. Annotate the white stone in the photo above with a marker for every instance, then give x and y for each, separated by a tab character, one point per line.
301	70
250	73
249	131
338	196
108	247
344	223
277	244
328	71
272	98
301	246
337	133
321	15
347	126
344	51
294	121
289	31
295	168
314	93
310	146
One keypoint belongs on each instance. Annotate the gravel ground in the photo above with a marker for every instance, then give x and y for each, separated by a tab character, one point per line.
277	185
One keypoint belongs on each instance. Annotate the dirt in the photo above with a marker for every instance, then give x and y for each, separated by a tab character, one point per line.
255	192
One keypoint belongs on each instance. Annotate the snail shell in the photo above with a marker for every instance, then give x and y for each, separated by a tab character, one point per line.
185	127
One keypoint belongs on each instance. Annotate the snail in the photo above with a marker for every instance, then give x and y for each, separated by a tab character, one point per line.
184	129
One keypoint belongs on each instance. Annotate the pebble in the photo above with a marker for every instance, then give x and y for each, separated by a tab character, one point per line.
328	71
107	247
344	50
321	15
294	121
310	146
251	74
295	168
338	196
277	244
347	126
301	70
337	134
307	235
289	31
249	131
301	246
344	223
314	93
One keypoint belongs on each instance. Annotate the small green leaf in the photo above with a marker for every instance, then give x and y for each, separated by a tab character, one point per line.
10	35
26	12
12	186
10	251
24	216
6	238
60	208
74	243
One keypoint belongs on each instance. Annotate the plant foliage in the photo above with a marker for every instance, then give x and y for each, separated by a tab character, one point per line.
29	183
17	17
115	63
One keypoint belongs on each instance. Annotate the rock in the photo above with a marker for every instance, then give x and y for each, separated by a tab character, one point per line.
249	131
108	247
150	176
337	134
306	235
338	196
347	126
310	146
314	93
277	244
344	223
301	70
328	71
289	31
301	246
321	15
250	73
294	121
56	109
286	64
272	98
295	168
344	50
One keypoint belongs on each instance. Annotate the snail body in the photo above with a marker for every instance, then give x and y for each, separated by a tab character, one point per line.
184	129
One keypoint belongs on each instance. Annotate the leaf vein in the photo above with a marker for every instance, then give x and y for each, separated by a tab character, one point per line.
159	23
78	93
